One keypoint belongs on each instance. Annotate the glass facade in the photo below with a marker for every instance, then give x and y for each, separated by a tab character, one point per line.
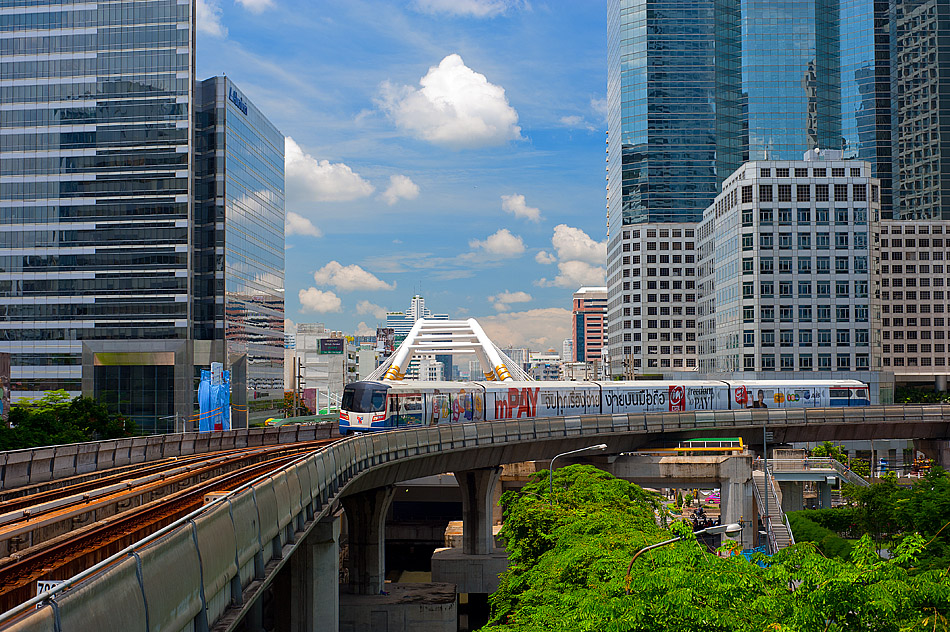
95	190
239	246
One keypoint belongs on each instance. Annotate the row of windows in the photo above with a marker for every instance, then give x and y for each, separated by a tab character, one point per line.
99	261
664	363
145	84
124	308
109	112
915	348
822	313
138	160
803	193
663	233
156	132
79	287
821	265
21	214
157	332
783	216
806	362
802	172
96	237
914	361
785	289
807	337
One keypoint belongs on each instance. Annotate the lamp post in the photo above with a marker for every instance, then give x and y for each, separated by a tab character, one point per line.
599	446
728	529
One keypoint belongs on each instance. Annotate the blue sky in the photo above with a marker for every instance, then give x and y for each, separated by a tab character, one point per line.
453	148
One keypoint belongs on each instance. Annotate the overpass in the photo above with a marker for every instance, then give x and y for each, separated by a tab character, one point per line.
211	570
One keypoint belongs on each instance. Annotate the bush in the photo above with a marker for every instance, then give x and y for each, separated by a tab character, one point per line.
828	542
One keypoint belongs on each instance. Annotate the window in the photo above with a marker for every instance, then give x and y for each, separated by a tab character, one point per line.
804	313
784	193
785	216
747	217
861	313
766	265
786	338
823	289
842	289
841	264
805	362
804	240
785	265
765	241
801	172
841	215
785	289
766	289
785	241
748	314
748	289
843	336
862	361
860	264
861	216
861	337
820	173
804	338
855	172
823	241
821	192
843	313
824	361
837	172
859	192
768	363
823	265
843	362
804	289
860	240
787	362
781	172
841	193
804	216
765	172
768	338
748	363
824	313
803	192
841	240
746	194
747	265
824	337
785	313
765	216
748	338
747	242
765	193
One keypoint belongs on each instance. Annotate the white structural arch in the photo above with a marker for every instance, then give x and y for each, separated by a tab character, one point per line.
455	338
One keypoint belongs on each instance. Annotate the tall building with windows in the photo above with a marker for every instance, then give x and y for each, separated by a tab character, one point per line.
694	91
107	259
589	327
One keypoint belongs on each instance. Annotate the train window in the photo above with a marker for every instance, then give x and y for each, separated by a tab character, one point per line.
363	398
840	392
861	393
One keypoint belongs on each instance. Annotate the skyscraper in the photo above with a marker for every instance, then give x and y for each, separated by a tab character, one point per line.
107	262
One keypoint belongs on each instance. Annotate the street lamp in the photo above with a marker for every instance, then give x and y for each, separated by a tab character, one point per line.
728	529
599	446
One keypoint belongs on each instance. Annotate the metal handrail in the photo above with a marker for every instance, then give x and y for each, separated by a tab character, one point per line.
791	536
770	534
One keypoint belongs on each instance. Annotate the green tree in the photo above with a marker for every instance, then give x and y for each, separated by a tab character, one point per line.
55	419
569	553
830	450
875	506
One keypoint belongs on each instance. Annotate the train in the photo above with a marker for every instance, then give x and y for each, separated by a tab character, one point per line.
369	406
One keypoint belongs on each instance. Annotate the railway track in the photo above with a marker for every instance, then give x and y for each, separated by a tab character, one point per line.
85	544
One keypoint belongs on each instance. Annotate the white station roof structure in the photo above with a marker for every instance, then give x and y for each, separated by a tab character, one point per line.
455	338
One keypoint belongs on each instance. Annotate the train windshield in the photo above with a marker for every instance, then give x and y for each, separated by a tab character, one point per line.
364	398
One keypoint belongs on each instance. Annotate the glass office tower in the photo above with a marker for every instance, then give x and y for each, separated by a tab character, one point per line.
239	248
95	202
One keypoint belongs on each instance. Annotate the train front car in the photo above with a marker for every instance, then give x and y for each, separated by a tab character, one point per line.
363	407
798	393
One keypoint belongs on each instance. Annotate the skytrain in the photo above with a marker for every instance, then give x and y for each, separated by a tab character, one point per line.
387	405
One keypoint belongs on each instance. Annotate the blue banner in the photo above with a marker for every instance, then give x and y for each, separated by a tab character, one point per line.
214	403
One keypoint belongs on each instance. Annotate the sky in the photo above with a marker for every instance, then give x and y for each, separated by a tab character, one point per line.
450	148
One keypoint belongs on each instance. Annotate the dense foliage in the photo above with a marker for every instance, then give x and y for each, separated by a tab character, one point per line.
55	419
914	395
569	554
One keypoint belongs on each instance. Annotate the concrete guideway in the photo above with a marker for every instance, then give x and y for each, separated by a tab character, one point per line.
210	569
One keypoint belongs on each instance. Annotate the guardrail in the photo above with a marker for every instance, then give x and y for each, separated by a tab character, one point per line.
219	558
811	463
39	465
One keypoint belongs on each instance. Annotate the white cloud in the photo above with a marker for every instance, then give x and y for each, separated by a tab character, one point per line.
503	300
365	307
533	328
575	274
516	205
349	278
573	243
500	244
576	122
400	187
300	225
599	106
312	180
545	257
256	6
455	107
364	330
472	8
314	300
208	18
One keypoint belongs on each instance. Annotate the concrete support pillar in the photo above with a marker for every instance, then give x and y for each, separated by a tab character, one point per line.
940	383
735	497
315	579
477	488
824	495
366	539
792	495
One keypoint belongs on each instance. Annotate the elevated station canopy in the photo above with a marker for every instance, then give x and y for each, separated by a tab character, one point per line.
455	338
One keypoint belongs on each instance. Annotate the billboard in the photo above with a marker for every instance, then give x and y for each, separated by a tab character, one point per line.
385	340
331	345
5	387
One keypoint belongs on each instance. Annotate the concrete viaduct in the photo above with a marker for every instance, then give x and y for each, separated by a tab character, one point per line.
210	570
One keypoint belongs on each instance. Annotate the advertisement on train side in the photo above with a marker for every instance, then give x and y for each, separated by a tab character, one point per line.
664	399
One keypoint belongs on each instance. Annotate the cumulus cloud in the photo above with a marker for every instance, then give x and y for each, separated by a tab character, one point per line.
256	6
300	225
467	8
576	122
365	330
312	180
503	300
349	278
516	205
400	187
365	307
314	300
533	328
208	18
580	259
455	107
501	244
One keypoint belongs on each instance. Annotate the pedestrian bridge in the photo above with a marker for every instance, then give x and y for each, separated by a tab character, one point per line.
210	570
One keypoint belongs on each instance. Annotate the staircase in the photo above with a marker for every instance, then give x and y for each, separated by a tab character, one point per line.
780	535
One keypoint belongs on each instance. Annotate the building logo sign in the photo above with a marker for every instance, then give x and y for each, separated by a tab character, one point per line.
235	97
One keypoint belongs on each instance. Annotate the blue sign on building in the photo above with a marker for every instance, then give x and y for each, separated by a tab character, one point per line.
235	97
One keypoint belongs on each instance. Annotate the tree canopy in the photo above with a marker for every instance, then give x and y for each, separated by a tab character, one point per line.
56	419
568	556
